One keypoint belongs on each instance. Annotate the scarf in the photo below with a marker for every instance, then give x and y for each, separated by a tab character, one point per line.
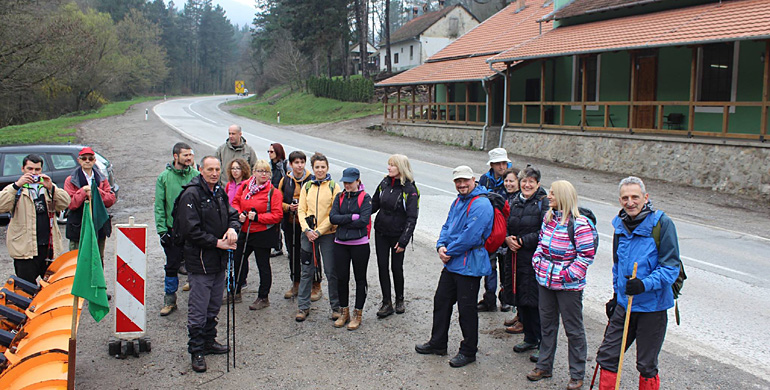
632	223
254	188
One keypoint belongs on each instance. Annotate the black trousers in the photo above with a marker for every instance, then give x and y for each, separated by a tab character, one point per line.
463	290
388	259
173	258
649	329
30	269
359	256
241	262
291	235
529	317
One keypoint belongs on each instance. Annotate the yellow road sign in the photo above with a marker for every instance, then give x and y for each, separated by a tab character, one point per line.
239	86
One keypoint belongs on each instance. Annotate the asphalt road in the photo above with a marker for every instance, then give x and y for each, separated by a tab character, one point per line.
724	309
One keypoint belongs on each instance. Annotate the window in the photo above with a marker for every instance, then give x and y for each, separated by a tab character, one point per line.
63	161
592	79
717	75
532	90
395	58
411	52
12	164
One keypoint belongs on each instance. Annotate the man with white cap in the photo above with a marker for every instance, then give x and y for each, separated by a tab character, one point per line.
493	182
461	249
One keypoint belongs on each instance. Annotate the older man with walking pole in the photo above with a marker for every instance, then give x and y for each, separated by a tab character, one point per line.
646	237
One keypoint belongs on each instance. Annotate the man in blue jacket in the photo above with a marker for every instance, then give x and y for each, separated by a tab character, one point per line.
647	237
461	248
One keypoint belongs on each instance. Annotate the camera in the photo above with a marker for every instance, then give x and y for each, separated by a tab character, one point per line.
37	179
295	201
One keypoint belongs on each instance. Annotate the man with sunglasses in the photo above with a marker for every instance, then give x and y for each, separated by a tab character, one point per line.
79	187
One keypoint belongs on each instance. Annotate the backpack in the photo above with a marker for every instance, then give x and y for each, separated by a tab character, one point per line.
310	184
361	195
591	218
499	224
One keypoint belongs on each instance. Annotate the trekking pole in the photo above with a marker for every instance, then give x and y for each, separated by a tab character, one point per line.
293	247
596	368
229	281
625	333
237	280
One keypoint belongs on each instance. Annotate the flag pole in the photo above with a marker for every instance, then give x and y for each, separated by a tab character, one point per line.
72	345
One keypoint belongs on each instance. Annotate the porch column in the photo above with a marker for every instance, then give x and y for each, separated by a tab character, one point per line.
507	95
542	93
693	75
583	92
632	93
398	104
765	92
414	91
385	105
430	102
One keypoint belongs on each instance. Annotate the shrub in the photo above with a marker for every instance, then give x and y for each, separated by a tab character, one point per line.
351	90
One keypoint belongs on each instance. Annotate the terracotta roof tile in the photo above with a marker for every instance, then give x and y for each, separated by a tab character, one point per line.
465	58
464	69
421	23
731	20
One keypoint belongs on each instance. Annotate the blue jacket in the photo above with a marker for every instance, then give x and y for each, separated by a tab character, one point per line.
493	184
658	269
464	233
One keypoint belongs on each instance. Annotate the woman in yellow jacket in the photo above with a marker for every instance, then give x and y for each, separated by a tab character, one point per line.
317	240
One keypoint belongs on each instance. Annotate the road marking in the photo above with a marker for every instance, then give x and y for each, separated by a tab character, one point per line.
189	107
184	133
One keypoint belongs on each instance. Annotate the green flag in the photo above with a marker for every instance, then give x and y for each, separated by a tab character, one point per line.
100	212
89	281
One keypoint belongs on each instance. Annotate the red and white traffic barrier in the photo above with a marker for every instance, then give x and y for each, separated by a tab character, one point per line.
131	276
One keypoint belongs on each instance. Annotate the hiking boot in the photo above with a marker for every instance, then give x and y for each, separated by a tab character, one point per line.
292	291
259	304
648	383
574	384
428	349
516	328
400	308
336	314
355	320
343	318
506	307
537	374
301	315
186	286
198	362
214	348
461	360
182	270
315	292
483	306
386	309
512	321
237	298
524	346
169	304
535	356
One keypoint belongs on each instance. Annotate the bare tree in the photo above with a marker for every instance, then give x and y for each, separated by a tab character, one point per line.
362	15
287	65
388	63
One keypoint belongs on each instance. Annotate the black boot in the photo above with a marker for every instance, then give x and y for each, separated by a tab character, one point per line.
198	362
400	308
195	346
210	344
385	310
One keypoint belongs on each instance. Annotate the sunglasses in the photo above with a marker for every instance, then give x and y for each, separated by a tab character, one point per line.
87	158
271	151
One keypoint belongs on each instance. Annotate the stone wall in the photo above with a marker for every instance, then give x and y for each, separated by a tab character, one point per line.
735	167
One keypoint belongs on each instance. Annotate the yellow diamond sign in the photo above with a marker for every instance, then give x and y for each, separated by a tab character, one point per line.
239	86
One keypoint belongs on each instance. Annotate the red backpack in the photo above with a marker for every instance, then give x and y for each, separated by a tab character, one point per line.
500	222
361	195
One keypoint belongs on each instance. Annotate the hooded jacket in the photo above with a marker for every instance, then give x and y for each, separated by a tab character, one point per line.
265	218
493	184
657	268
464	233
290	187
227	152
167	188
555	253
524	222
342	215
204	217
315	198
22	229
398	207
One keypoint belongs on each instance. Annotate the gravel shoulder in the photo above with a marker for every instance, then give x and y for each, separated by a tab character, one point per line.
273	351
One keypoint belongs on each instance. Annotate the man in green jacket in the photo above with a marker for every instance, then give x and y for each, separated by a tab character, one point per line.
167	188
234	147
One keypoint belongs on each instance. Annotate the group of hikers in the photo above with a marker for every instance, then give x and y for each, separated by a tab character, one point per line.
531	245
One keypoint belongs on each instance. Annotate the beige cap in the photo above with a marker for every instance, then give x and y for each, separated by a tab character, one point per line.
498	155
462	172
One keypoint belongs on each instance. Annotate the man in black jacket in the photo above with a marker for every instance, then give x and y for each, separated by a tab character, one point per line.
208	225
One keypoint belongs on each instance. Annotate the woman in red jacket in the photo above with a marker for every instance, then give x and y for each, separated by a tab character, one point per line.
260	205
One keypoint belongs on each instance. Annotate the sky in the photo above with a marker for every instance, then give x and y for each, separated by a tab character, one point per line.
239	12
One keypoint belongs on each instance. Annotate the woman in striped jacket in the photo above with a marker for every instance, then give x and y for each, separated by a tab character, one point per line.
560	269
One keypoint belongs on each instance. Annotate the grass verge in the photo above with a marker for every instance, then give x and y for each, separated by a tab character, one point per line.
300	108
62	130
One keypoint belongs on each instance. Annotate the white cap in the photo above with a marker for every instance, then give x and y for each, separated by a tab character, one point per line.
498	155
462	172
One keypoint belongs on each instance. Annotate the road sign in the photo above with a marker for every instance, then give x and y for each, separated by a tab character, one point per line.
130	320
239	86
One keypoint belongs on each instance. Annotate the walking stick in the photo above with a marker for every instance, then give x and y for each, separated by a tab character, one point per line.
229	271
625	333
237	279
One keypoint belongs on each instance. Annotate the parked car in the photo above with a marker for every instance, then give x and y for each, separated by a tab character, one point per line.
59	162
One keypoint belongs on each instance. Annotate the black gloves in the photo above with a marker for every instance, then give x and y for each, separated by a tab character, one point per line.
255	213
634	287
165	239
609	307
